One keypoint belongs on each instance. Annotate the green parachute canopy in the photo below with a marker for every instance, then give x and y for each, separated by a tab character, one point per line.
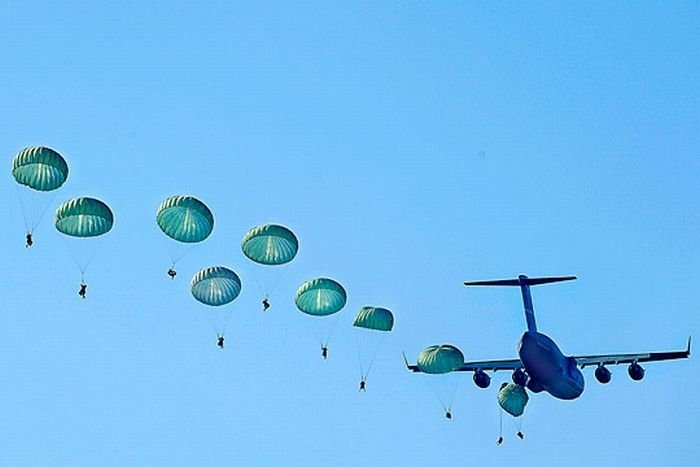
375	318
320	297
40	168
513	398
440	359
185	219
270	244
215	286
84	217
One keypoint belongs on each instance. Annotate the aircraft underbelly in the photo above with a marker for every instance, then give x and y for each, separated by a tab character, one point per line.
548	366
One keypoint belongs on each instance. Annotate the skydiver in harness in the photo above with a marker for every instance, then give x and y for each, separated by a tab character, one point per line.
172	273
363	383
30	240
220	341
266	304
324	352
83	290
448	414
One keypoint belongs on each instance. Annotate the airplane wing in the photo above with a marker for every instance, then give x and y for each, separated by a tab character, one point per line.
486	365
616	359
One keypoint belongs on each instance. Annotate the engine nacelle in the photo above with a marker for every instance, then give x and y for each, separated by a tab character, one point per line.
481	379
520	377
636	371
602	374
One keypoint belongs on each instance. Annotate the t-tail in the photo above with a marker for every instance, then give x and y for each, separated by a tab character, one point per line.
524	283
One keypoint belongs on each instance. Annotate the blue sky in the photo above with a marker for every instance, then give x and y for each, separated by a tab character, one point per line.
411	146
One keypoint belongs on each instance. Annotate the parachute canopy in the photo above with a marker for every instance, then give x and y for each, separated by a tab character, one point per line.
270	244
215	286
320	297
440	359
40	168
375	318
185	219
84	217
513	398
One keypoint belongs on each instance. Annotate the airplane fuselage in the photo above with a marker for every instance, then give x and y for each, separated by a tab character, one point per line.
548	368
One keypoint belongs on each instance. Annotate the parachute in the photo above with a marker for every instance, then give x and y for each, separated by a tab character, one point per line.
216	286
513	398
41	170
186	220
320	298
440	359
372	325
374	318
84	217
83	220
270	245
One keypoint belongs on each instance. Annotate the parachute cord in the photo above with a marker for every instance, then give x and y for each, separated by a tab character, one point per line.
43	212
374	354
445	408
333	326
359	357
500	423
23	209
279	278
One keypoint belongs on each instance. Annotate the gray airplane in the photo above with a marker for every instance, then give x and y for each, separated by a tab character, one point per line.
542	366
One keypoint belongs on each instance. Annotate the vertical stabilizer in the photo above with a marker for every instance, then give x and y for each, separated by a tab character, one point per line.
524	283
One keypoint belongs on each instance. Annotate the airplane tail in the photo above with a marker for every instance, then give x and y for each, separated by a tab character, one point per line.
521	280
524	283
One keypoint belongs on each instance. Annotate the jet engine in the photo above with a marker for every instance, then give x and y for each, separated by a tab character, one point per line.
520	377
481	379
602	374
636	371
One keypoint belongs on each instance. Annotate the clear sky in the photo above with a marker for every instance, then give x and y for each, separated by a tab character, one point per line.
411	146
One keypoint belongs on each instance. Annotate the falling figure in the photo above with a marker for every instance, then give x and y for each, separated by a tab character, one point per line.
324	352
172	273
499	441
220	341
448	414
83	290
362	385
30	240
266	304
520	435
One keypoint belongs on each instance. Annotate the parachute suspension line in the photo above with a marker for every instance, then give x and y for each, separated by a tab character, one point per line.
375	353
257	280
23	209
359	357
278	280
500	426
43	212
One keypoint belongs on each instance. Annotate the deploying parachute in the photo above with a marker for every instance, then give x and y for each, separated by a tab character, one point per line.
185	219
270	245
216	286
440	359
83	219
320	298
41	170
513	398
372	325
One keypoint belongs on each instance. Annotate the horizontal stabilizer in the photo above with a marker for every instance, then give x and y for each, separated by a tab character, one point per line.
522	280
